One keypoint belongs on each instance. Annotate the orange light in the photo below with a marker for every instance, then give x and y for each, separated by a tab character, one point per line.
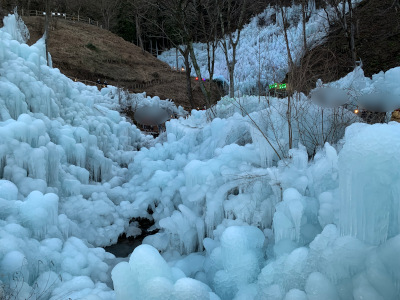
356	111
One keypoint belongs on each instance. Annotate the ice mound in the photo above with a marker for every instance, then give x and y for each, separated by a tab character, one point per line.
295	220
38	212
236	262
333	267
379	93
148	276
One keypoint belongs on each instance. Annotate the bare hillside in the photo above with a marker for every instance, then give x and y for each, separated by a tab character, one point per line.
87	52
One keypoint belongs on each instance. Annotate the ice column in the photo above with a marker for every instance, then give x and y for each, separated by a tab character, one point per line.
369	169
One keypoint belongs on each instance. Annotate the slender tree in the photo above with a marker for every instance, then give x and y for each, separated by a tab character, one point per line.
179	22
76	6
138	11
109	11
347	21
351	32
232	19
47	29
304	20
179	26
290	85
207	26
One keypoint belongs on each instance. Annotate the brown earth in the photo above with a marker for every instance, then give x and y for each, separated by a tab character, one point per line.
87	52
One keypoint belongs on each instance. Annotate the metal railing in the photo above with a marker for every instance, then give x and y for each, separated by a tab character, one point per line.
65	16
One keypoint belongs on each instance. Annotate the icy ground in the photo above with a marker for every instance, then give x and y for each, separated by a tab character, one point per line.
238	219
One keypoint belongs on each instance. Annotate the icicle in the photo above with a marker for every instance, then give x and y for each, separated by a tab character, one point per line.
53	163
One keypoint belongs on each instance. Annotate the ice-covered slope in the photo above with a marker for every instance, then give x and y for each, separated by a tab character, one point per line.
262	47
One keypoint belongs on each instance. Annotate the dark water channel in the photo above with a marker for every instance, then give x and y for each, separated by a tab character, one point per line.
125	245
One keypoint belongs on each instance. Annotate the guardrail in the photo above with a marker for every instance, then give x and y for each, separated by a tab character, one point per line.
65	16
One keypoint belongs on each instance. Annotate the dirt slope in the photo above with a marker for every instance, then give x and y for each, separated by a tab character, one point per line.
87	52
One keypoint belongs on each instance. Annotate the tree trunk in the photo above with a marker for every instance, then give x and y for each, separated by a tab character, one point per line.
188	78
228	65
47	29
290	82
231	66
232	43
289	120
303	10
205	92
290	60
231	69
344	16
259	68
151	46
177	60
352	33
211	60
139	32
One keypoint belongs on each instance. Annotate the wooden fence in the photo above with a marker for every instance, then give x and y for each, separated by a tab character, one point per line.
65	16
136	86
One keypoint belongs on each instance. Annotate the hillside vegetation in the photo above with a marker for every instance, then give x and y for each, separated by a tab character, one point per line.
377	42
88	52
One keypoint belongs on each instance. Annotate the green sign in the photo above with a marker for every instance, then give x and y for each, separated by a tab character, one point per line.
279	86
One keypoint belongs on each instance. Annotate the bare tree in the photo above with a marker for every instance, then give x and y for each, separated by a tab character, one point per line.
180	26
108	10
47	28
139	11
177	16
396	4
304	20
209	25
139	30
351	32
207	19
232	19
76	6
343	19
290	86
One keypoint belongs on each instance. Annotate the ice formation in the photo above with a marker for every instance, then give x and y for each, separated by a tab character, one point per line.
62	145
370	182
240	215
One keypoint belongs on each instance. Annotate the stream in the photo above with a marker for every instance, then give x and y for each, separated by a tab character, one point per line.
125	245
